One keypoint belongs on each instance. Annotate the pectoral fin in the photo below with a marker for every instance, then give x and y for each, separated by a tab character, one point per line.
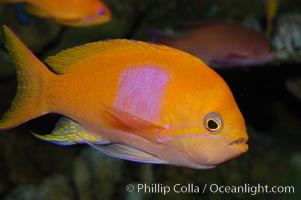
69	132
133	124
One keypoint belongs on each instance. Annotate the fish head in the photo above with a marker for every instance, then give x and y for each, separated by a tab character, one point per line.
261	53
216	142
212	129
100	9
257	56
264	54
209	145
98	13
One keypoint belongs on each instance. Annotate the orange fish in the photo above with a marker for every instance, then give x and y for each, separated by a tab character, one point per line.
223	44
69	12
131	100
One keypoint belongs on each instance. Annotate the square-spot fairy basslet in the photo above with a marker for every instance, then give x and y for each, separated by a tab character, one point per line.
131	100
76	13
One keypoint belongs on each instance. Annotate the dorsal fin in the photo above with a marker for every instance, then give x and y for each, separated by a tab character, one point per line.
69	59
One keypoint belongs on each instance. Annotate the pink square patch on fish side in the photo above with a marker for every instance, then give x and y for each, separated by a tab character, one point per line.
140	91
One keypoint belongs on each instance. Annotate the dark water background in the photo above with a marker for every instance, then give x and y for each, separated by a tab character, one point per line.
33	169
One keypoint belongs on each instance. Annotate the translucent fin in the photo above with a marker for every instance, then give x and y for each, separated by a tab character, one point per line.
69	132
126	152
123	151
134	124
32	75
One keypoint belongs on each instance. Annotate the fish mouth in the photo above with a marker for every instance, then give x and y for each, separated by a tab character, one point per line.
240	144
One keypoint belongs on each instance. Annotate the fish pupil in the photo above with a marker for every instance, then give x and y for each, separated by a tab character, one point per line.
212	124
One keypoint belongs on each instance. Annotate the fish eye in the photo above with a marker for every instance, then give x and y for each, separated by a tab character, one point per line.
101	11
213	123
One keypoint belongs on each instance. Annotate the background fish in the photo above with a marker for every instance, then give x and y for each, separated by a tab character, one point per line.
69	12
131	100
223	44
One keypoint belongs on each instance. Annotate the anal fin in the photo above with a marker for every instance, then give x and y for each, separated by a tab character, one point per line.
69	132
127	152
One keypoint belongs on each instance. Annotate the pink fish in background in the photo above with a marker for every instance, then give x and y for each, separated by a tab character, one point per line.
223	44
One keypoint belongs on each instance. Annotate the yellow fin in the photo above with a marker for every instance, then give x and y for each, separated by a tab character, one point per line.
69	59
69	132
32	74
271	12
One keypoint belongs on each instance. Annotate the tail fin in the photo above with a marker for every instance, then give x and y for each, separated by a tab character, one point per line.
32	75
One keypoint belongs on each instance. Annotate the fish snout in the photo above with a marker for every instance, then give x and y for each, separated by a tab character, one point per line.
240	144
271	55
266	56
